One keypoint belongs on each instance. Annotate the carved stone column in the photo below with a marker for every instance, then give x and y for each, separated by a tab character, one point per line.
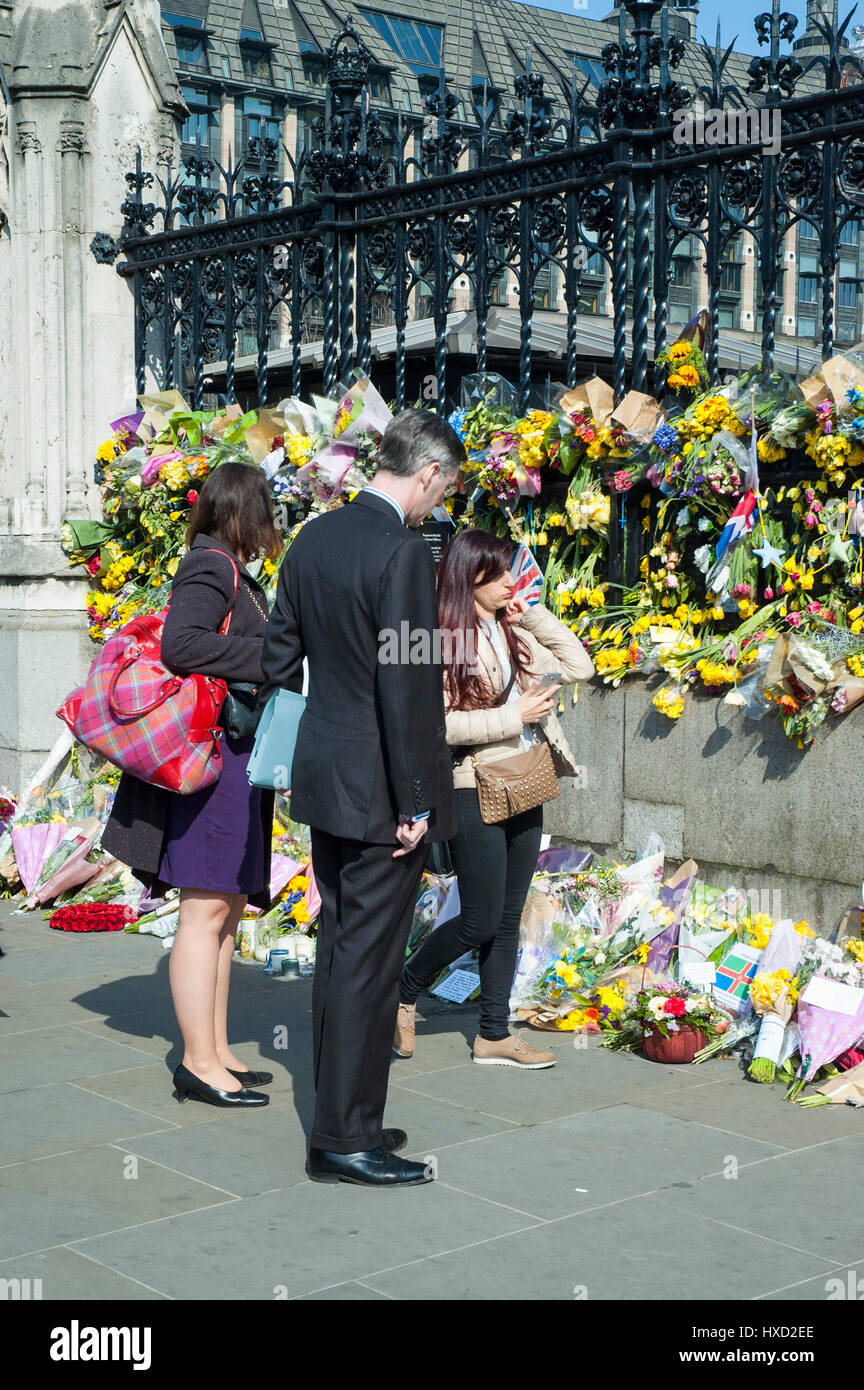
88	83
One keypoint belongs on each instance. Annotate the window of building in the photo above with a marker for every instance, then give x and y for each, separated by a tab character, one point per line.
808	289
806	327
807	265
588	67
196	127
250	21
498	288
730	277
312	57
256	62
378	84
545	287
847	294
587	304
850	233
260	118
191	52
681	272
727	317
314	69
418	44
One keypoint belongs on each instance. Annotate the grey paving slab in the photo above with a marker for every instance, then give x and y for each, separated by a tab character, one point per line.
90	997
256	1154
759	1112
346	1293
433	1052
91	954
298	1240
150	1089
59	1118
60	1054
615	1253
582	1079
153	1031
802	1197
64	1274
54	1200
569	1165
259	1152
844	1285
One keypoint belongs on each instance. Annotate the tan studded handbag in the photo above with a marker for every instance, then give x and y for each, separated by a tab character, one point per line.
509	786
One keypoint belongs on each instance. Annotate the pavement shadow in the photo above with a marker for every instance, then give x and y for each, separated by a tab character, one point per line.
273	1015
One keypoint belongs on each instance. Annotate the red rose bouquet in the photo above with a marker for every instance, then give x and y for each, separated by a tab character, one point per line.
92	917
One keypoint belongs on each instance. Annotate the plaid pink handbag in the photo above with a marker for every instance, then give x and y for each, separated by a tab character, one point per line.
159	727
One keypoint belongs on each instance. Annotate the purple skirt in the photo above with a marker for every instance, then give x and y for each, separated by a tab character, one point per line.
214	838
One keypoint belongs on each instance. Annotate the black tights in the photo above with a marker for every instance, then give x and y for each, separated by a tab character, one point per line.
494	866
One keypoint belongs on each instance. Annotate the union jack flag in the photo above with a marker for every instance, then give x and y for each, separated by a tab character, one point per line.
527	575
740	522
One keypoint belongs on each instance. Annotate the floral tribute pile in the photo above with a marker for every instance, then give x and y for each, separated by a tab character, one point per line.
685	971
750	494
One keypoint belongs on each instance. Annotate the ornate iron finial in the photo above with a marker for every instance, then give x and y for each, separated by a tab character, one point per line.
533	123
440	145
348	61
778	72
629	97
348	133
138	216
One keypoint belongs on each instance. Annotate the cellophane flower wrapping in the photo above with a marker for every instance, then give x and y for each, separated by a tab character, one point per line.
824	1033
69	865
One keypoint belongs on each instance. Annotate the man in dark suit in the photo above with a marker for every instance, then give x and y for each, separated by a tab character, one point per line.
371	771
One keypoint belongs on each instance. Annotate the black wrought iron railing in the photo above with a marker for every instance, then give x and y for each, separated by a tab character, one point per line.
539	192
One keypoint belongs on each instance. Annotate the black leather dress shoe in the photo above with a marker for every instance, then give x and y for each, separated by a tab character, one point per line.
392	1140
369	1168
252	1078
188	1084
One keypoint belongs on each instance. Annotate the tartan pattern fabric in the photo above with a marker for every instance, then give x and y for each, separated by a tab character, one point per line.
158	726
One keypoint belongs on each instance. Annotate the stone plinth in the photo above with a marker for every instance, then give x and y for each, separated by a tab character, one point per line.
735	795
87	84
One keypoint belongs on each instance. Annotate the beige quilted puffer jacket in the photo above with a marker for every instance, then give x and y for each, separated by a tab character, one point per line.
496	733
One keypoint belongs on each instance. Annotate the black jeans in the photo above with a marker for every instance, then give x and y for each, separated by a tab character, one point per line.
494	866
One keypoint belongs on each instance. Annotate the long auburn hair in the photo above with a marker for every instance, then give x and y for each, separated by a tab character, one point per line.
472	555
234	506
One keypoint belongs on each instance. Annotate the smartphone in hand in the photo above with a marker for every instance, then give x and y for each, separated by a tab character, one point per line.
550	678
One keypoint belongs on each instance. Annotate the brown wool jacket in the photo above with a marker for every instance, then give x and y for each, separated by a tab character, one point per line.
495	732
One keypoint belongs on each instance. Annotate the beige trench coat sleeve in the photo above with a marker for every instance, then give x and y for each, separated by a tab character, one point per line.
562	649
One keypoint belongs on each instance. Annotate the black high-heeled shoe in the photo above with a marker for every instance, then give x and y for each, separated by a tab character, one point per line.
187	1084
252	1078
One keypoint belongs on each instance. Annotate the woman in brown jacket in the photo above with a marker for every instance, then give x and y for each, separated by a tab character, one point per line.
501	647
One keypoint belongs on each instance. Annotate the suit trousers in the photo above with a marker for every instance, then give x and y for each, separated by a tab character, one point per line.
367	907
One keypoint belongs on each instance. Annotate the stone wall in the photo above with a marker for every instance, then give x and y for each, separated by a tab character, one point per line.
786	826
88	82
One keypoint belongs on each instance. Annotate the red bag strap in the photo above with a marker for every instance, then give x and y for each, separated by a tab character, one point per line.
211	550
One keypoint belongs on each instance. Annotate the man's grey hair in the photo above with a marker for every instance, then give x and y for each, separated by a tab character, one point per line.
417	437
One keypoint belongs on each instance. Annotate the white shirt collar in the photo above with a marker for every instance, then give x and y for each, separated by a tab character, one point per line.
376	492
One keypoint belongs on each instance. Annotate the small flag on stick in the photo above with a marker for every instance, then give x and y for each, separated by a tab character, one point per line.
527	575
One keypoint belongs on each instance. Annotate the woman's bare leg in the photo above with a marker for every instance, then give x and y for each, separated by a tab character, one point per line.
193	971
227	937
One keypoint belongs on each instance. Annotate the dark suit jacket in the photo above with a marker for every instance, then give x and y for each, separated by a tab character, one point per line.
371	744
201	595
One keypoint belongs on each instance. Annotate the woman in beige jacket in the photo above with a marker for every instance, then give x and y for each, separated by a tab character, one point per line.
500	647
